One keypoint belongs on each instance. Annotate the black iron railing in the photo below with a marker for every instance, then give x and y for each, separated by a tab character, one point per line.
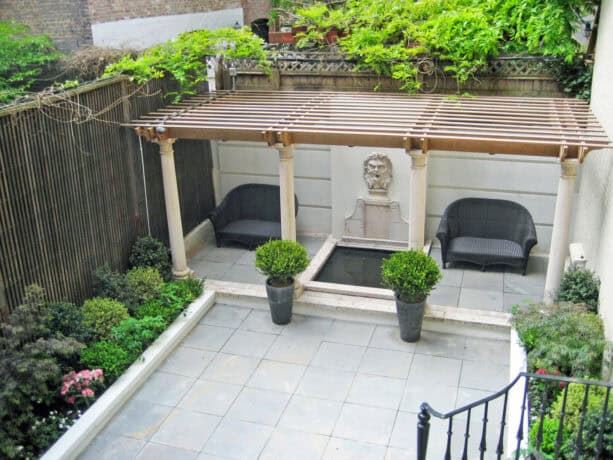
538	394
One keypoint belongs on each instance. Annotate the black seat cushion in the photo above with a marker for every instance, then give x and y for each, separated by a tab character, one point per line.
489	247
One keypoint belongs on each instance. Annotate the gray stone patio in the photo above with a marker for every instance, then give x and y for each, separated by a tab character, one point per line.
463	285
240	387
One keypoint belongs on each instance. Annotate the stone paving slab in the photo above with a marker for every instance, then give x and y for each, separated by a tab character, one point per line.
317	388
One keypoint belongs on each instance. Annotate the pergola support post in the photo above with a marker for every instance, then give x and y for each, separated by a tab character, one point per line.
561	228
173	209
286	186
417	199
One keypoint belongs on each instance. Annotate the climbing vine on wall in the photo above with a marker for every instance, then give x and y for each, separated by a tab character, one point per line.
386	36
184	59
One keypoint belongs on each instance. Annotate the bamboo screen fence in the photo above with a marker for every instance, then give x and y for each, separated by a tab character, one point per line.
71	187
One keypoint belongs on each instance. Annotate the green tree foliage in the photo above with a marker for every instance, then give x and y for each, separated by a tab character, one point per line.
581	287
281	260
101	315
23	56
151	252
410	274
462	33
183	59
144	285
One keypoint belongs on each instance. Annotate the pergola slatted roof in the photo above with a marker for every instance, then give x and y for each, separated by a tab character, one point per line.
556	127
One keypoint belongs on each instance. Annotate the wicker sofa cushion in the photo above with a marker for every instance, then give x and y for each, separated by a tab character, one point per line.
257	228
490	248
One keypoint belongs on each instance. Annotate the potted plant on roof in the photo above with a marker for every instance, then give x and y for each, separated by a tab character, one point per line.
281	261
411	275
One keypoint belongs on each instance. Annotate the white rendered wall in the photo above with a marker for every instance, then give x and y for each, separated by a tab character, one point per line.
146	32
593	225
245	162
329	180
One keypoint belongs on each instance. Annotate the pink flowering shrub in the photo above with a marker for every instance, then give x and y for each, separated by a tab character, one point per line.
80	387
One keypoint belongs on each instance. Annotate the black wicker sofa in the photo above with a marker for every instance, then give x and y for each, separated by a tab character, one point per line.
250	214
486	232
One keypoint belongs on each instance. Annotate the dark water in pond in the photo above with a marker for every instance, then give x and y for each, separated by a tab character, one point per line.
354	266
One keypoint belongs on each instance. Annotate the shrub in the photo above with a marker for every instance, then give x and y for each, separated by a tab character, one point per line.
67	319
574	401
580	287
32	361
144	285
101	315
45	430
108	356
281	260
591	432
562	337
550	434
175	296
110	284
79	388
149	252
410	274
135	335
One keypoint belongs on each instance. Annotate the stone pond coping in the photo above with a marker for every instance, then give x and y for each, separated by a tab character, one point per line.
82	433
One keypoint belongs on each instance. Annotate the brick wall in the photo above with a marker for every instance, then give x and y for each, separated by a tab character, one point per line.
68	22
65	21
114	10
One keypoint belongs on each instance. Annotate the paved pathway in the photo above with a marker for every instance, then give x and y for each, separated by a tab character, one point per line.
240	387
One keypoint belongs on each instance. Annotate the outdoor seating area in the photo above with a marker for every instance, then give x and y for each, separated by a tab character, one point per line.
240	387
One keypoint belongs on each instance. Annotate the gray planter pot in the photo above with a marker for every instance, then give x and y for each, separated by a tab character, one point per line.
281	301
410	318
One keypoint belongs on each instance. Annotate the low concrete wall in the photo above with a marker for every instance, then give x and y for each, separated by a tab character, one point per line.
146	32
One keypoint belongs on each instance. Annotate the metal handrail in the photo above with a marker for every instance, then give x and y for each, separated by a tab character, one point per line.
426	412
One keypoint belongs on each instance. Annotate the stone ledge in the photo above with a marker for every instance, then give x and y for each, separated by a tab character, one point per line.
82	433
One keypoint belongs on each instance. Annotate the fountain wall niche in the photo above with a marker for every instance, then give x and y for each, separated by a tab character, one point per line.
377	216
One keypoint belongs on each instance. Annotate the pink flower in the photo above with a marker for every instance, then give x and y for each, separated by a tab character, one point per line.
88	392
70	400
541	371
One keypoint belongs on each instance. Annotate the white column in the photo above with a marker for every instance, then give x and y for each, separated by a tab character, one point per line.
173	209
417	199
286	185
561	226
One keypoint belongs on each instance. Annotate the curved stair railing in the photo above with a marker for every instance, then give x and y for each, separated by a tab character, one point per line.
482	407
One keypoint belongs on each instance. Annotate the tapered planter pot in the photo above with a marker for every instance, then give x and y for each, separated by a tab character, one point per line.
281	301
410	319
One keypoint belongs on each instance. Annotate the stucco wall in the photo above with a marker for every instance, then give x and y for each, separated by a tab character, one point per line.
593	225
329	181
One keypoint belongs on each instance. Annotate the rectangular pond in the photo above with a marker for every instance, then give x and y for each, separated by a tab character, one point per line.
353	266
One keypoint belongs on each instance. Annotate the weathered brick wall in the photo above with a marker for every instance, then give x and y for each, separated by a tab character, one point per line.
114	10
68	22
65	21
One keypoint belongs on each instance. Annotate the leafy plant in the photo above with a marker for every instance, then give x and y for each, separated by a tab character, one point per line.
23	57
581	287
562	337
183	59
109	356
591	433
386	37
574	403
281	260
67	319
175	296
150	252
79	388
101	315
410	274
550	433
46	429
32	361
144	285
135	335
574	78
110	284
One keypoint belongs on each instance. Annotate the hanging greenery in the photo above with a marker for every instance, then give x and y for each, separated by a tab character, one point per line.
183	59
387	37
23	57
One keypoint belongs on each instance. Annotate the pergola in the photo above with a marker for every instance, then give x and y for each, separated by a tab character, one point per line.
548	127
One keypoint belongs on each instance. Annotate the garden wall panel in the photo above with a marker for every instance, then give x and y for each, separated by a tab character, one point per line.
71	188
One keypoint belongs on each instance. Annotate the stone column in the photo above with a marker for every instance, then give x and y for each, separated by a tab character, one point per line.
561	226
173	209
417	199
286	185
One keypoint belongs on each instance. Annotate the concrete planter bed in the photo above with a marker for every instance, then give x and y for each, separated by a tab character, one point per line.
77	438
